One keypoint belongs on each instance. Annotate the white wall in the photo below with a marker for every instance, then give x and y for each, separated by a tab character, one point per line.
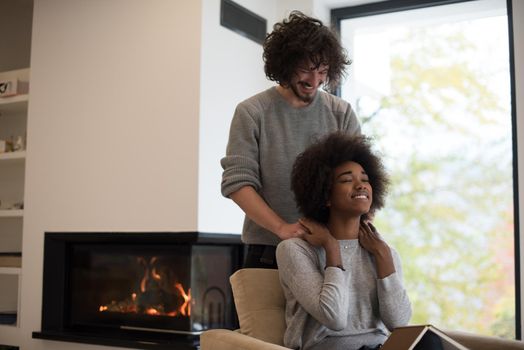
112	129
232	70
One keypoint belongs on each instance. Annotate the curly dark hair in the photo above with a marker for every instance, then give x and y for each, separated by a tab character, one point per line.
313	171
301	38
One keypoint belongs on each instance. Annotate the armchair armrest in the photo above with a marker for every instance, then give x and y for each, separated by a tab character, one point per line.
482	342
225	339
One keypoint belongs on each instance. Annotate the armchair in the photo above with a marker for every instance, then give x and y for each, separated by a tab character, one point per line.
260	305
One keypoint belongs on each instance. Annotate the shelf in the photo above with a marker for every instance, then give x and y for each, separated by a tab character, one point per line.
11	213
9	157
13	104
7	326
10	270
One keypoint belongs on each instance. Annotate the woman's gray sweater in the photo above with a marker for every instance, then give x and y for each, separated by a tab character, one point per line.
328	308
266	135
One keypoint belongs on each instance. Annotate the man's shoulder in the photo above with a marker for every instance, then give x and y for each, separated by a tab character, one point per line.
259	100
333	102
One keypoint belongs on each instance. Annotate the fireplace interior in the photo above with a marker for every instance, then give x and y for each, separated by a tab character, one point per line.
141	290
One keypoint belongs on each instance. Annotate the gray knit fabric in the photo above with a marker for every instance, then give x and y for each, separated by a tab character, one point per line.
328	308
266	135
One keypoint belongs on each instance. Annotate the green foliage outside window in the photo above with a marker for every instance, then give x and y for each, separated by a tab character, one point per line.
445	132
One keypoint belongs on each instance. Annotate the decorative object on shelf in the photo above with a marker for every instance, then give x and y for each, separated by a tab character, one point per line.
17	206
18	145
11	145
13	87
14	206
5	146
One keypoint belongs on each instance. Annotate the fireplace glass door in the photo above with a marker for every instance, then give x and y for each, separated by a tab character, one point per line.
174	288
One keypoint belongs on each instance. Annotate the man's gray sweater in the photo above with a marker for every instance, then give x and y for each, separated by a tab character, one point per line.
328	308
266	135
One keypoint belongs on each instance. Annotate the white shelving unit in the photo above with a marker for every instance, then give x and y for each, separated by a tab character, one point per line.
13	124
10	270
11	213
14	103
19	155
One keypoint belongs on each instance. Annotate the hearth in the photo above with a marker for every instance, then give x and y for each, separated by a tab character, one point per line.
141	290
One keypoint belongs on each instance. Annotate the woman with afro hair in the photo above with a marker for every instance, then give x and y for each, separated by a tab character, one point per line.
342	282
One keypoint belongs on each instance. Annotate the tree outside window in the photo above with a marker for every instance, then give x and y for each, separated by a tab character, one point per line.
436	99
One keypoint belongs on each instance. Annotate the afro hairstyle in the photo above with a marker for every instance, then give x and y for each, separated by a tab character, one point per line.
313	172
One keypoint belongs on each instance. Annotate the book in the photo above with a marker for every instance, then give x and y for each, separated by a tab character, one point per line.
9	347
420	337
10	259
8	317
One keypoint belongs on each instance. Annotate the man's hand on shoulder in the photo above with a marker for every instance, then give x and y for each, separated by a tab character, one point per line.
287	231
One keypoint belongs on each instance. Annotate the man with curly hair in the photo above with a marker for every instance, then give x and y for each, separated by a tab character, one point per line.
271	128
342	282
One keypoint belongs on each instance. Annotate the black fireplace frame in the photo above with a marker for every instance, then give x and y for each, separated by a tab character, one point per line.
55	322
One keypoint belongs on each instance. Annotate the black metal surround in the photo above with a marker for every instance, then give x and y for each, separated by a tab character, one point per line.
61	251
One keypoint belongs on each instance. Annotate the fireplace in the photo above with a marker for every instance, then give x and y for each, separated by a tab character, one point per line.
139	290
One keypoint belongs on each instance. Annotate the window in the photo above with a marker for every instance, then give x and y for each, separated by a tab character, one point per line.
432	87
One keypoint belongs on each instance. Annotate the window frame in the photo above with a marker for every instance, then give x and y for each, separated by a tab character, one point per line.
384	7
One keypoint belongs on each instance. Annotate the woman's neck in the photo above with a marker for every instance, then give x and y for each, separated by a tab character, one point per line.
344	227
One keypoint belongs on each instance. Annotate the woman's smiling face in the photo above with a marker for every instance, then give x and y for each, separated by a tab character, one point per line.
351	193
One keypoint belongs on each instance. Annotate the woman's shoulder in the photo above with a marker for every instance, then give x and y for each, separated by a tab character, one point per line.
293	243
294	248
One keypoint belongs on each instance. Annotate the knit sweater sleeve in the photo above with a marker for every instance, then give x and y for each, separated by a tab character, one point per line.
241	165
394	304
352	125
323	295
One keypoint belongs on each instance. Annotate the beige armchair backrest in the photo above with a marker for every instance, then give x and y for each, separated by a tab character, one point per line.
260	304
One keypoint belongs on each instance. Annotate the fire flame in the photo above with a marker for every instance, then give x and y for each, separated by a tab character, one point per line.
132	304
153	312
185	309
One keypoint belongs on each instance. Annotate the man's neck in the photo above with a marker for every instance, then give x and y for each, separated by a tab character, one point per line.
291	98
